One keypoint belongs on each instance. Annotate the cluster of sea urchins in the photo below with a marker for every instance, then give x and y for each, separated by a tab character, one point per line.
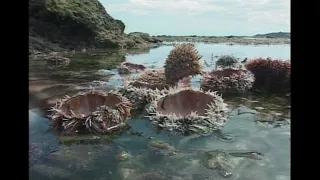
226	61
228	81
181	62
94	111
271	76
188	110
139	95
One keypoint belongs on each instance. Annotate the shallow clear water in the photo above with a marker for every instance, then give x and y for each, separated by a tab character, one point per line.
97	161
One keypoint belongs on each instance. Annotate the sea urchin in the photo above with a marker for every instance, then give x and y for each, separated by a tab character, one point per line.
188	110
93	111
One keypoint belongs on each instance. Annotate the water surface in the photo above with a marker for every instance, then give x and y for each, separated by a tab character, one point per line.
52	160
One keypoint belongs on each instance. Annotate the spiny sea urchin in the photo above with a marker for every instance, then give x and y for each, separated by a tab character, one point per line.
139	97
228	81
181	62
93	111
153	79
188	110
271	76
226	61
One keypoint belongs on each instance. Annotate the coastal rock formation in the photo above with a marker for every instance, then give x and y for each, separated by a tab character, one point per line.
75	24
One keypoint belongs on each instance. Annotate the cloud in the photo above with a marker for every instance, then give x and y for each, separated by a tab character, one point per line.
275	12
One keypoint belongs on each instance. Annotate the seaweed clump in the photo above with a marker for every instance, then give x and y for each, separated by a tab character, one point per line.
181	62
187	111
228	81
91	112
271	76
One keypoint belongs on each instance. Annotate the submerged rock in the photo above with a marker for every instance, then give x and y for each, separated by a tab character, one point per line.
227	162
51	171
160	145
57	62
122	156
104	72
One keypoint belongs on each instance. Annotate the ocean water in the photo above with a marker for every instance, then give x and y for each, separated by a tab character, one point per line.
50	159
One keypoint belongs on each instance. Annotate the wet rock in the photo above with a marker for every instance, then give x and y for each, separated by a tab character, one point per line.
35	153
75	156
124	70
160	145
152	176
104	72
122	156
259	108
227	162
86	139
127	173
275	113
251	155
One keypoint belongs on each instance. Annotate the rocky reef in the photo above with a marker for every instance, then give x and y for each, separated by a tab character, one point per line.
76	24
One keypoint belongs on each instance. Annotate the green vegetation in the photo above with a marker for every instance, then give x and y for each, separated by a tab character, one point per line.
87	12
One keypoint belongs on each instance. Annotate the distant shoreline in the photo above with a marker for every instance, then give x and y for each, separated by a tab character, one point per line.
230	40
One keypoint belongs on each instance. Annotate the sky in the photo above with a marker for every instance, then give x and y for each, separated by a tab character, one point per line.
201	17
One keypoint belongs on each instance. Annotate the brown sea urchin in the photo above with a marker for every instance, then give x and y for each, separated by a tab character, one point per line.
153	79
181	62
189	110
228	81
272	76
93	111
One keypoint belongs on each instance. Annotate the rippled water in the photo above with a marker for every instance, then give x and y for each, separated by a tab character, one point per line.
51	160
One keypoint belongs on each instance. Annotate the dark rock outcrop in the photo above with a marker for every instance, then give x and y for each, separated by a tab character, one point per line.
75	24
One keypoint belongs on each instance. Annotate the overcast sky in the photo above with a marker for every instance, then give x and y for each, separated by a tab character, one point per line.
201	17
